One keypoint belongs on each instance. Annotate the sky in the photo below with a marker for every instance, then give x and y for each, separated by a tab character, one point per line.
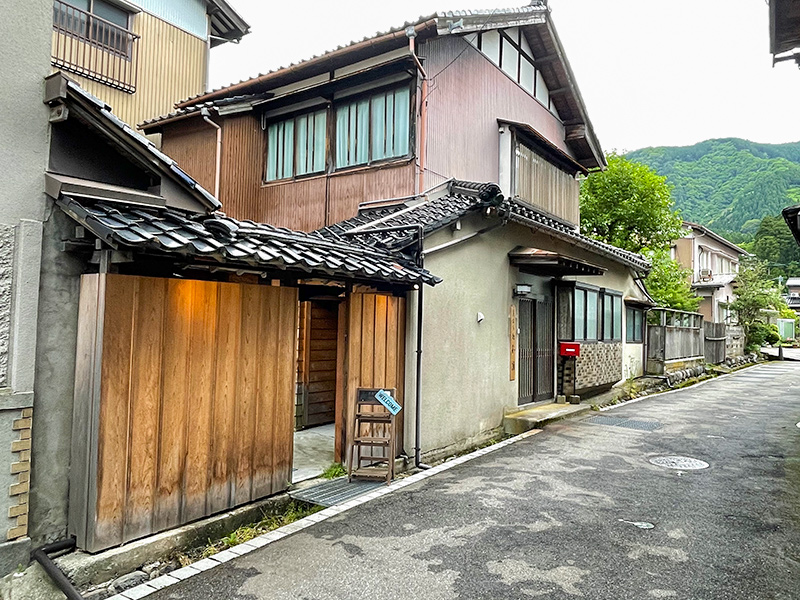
651	72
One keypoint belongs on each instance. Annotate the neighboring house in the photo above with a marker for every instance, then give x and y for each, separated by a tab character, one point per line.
140	56
714	263
792	296
390	131
784	30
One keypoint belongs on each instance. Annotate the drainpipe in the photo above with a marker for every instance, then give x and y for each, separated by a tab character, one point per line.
423	108
218	159
41	555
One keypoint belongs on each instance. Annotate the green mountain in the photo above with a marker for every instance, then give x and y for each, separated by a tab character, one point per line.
728	184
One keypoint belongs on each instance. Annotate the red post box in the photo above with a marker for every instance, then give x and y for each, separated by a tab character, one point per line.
569	349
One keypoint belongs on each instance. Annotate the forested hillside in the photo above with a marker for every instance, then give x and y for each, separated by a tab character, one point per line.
728	184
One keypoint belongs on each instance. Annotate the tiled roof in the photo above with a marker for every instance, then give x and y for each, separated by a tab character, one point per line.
464	197
136	140
217	239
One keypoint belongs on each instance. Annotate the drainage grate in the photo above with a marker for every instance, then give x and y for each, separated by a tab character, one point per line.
337	491
625	422
684	463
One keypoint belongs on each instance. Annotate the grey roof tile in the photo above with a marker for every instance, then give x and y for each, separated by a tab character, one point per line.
238	243
462	198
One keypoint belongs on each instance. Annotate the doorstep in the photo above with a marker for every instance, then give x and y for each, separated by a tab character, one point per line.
537	417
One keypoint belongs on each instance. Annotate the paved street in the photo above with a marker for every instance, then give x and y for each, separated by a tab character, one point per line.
576	511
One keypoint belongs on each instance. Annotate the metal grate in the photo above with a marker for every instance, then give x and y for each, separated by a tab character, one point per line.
625	422
337	491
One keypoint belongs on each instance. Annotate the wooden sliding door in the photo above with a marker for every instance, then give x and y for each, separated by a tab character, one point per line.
184	400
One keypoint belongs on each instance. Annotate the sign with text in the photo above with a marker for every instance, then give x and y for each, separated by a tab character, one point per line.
390	403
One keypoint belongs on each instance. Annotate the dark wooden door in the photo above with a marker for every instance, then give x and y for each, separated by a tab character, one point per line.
544	332
536	350
323	331
527	354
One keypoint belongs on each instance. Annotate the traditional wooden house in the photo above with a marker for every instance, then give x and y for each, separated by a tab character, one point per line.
187	330
378	141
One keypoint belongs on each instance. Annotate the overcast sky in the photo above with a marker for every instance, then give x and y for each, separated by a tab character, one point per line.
651	72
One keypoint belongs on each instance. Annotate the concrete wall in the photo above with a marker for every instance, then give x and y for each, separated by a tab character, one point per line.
466	387
26	27
632	360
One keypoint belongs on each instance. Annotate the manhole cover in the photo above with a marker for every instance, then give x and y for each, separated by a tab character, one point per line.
683	463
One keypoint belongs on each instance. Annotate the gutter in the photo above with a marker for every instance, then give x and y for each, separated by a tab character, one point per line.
218	158
423	107
42	556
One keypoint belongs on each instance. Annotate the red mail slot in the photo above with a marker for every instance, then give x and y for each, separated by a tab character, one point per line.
569	349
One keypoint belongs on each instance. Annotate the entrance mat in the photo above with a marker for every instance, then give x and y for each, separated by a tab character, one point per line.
336	491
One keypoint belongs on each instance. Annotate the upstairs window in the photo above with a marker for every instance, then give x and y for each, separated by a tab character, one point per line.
97	21
296	146
373	128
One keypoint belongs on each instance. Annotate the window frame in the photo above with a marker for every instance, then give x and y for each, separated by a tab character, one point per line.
368	96
633	311
85	33
585	289
612	298
293	116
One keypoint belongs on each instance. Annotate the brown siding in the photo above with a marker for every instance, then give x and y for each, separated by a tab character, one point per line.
195	402
172	66
194	147
463	108
297	205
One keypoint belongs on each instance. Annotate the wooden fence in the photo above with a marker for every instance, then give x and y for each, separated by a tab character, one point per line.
184	400
672	335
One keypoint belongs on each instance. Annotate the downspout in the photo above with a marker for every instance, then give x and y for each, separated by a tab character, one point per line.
423	108
218	159
41	555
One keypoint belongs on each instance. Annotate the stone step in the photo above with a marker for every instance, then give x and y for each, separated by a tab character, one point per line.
539	416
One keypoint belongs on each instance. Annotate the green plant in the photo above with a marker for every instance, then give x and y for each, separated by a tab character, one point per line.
333	471
595	407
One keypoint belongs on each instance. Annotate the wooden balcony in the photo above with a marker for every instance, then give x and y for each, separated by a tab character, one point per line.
94	48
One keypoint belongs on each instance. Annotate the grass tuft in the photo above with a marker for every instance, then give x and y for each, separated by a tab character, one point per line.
333	471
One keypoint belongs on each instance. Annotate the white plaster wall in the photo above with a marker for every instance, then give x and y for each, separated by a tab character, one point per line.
632	359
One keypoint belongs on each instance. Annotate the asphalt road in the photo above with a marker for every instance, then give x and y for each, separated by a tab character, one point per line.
568	514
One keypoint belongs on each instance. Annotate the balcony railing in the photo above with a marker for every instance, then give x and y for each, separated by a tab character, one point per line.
94	48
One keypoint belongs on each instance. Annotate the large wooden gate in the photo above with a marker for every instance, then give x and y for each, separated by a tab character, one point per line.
184	398
375	356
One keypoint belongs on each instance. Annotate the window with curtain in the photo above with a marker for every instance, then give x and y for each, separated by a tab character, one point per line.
296	146
373	128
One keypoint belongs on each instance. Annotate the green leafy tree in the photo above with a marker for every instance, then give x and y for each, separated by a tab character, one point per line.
668	282
755	292
629	205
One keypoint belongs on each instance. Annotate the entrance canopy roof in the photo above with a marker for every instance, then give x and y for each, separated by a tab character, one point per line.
545	262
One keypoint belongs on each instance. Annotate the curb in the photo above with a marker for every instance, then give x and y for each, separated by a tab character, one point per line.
184	573
667	392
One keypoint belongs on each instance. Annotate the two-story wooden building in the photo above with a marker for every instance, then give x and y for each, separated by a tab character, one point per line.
389	132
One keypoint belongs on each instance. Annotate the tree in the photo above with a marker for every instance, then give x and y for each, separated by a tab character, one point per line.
755	292
629	205
668	282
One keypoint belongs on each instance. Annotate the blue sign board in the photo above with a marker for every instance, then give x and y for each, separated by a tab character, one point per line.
390	403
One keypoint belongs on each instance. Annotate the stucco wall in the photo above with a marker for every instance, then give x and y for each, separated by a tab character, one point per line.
26	27
632	360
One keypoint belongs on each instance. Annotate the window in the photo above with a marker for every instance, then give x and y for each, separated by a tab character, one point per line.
373	128
101	22
634	325
586	315
612	316
296	146
509	50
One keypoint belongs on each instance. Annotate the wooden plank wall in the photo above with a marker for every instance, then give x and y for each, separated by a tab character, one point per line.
195	404
321	373
375	353
546	186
